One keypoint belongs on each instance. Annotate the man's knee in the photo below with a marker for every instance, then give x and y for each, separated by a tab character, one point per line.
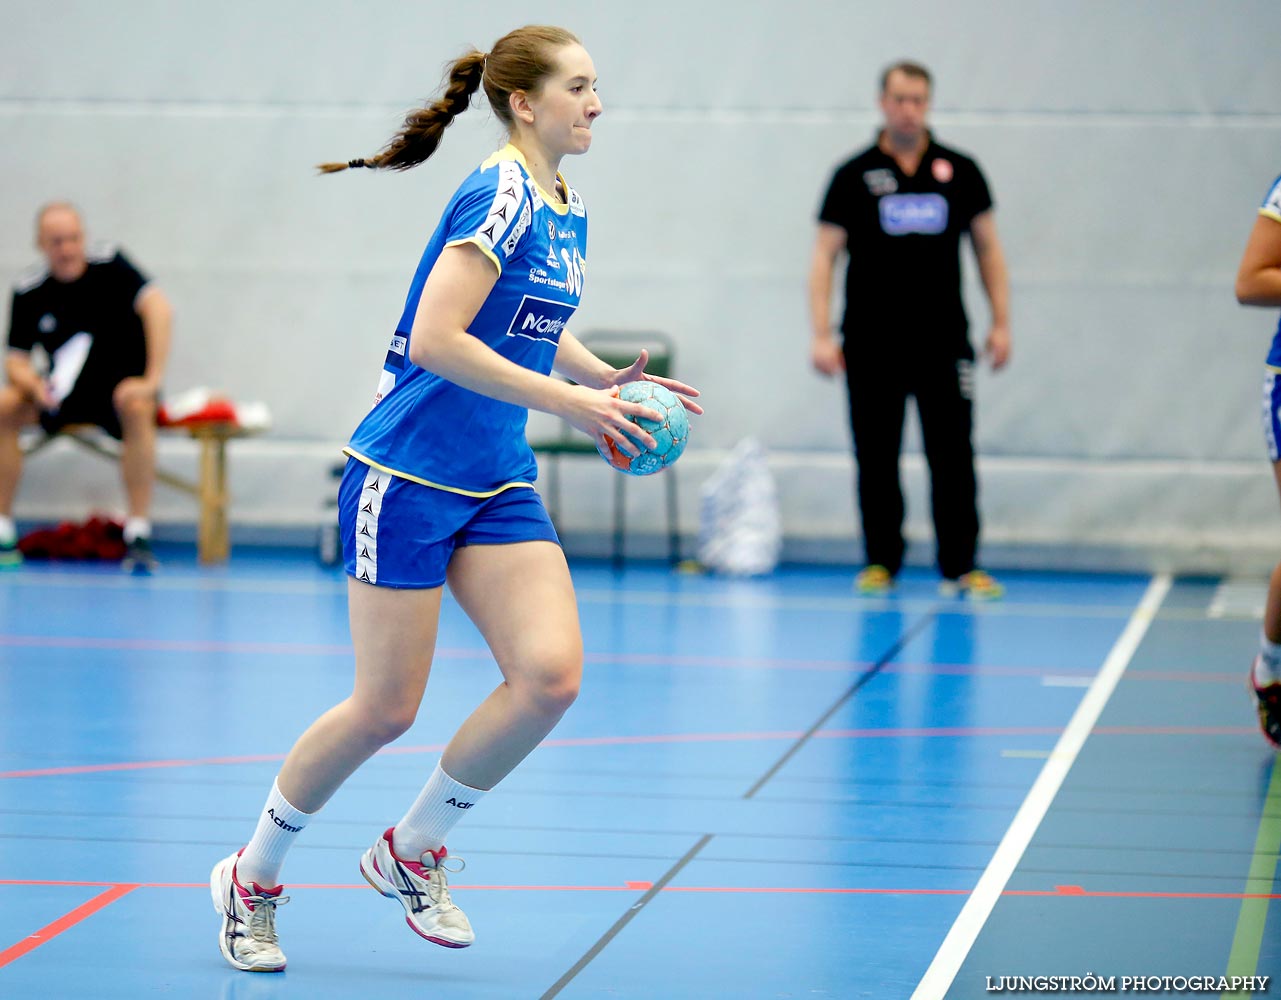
137	410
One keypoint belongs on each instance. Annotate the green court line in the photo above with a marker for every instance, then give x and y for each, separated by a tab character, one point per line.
1243	960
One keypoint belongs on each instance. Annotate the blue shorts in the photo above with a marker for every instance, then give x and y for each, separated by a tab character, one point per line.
398	533
1271	418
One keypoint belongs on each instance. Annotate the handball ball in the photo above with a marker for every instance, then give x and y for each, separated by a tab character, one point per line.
670	433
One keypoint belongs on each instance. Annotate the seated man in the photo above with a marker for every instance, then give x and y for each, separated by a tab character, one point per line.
105	331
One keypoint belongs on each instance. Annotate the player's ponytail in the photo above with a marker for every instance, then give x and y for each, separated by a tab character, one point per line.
423	128
520	61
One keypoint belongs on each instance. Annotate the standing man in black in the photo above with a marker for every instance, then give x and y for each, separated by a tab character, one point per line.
899	210
104	330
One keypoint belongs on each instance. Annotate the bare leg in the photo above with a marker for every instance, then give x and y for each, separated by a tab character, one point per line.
138	456
392	666
16	412
521	598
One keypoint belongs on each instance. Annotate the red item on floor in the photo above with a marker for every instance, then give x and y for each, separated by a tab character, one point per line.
97	538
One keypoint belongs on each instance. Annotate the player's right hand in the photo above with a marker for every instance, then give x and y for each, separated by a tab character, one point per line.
602	416
826	356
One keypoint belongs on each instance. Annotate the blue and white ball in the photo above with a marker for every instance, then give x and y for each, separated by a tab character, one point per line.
670	434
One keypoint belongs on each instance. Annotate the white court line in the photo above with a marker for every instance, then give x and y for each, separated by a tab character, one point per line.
1238	599
965	931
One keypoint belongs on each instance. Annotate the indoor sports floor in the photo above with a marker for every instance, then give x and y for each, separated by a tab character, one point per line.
768	788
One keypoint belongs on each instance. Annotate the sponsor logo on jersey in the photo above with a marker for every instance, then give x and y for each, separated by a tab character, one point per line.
503	208
902	214
942	170
534	196
48	323
386	382
518	230
880	181
540	319
551	250
576	204
396	354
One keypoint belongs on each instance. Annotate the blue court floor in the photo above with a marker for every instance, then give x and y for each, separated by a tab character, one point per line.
768	788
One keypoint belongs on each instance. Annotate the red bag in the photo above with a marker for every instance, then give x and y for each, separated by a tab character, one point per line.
99	538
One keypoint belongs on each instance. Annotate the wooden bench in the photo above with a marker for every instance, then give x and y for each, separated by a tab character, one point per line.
213	539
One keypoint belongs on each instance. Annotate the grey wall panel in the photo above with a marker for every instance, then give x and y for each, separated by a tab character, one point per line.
1128	146
1145	56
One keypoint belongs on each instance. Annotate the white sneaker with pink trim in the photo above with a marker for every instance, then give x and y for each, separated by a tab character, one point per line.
247	939
423	890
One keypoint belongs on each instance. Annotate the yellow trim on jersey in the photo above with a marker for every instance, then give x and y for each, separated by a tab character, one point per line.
510	152
1270	214
475	241
478	494
1274	369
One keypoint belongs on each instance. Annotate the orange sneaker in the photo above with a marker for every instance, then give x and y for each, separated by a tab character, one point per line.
976	585
874	581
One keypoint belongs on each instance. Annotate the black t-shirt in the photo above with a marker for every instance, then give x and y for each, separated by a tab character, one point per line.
101	303
904	236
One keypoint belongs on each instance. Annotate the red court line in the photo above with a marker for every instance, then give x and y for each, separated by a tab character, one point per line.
941	732
1065	891
171	645
67	921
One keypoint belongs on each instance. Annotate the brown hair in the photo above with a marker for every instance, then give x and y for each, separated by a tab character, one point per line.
907	68
520	60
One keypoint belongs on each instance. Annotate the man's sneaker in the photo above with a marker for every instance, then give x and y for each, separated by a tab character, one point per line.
976	585
1268	703
873	581
10	555
423	890
248	936
139	558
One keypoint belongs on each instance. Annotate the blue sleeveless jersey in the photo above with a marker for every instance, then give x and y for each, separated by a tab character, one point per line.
425	428
1271	207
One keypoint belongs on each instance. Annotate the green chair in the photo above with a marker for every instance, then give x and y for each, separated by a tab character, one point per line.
618	348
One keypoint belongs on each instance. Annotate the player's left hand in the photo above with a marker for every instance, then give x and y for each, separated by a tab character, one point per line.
636	373
997	347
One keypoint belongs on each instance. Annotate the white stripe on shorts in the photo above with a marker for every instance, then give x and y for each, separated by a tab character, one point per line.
371	504
1269	416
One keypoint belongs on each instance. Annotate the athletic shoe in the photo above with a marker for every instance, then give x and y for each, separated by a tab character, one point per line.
976	585
423	890
248	936
1268	703
874	581
10	555
139	559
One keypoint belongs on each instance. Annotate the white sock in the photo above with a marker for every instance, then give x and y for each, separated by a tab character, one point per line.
1267	669
442	803
8	530
137	527
278	827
